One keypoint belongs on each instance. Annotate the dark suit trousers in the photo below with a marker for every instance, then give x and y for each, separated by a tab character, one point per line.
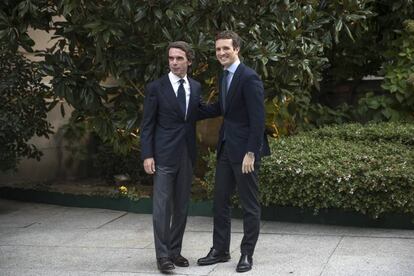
172	186
228	177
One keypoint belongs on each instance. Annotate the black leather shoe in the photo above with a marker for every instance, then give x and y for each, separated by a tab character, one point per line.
165	265
213	257
245	263
180	261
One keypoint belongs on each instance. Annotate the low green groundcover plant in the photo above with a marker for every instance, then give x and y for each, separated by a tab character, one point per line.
364	168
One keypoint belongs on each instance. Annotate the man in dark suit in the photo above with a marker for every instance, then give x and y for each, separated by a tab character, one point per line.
168	148
241	144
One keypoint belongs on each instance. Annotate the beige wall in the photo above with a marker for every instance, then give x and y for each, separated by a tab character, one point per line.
53	164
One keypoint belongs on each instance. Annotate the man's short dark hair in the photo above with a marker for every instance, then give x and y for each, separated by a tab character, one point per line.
184	46
230	35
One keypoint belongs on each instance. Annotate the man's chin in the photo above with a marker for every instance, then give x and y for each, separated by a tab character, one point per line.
177	73
223	63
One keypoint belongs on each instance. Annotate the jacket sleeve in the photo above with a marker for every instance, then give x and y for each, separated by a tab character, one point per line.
206	111
254	95
149	120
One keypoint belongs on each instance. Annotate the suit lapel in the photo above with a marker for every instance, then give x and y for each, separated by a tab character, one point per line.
170	95
234	83
221	92
192	97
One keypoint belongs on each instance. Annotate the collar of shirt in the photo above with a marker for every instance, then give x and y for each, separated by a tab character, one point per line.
175	82
232	68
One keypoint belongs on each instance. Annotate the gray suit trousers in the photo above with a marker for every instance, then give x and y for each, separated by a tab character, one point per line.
172	187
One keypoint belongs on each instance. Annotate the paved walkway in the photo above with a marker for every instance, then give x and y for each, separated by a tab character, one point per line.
40	239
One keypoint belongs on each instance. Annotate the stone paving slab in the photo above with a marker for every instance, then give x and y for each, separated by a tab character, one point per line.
45	272
41	239
320	229
13	216
131	221
48	272
113	238
36	236
340	265
286	264
80	218
53	257
377	247
142	260
287	255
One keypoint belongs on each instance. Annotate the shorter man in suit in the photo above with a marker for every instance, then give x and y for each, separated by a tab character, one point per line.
168	148
242	142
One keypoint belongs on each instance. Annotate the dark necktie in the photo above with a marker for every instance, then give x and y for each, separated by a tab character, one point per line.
224	87
181	96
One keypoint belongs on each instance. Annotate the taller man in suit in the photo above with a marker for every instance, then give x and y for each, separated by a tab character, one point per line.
168	148
241	144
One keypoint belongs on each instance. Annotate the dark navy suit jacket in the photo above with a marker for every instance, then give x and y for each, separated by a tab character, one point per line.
164	130
243	116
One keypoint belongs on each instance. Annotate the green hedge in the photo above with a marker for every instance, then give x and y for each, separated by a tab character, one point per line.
368	169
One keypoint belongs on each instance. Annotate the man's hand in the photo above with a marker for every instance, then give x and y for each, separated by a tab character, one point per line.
248	163
149	165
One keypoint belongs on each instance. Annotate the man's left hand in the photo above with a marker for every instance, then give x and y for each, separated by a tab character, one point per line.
248	163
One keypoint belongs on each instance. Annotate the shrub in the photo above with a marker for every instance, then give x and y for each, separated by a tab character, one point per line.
368	169
105	162
108	163
23	109
392	132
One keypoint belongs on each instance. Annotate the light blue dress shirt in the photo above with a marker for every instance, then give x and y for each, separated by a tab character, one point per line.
232	69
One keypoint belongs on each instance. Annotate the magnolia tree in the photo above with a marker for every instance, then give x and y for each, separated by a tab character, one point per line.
294	45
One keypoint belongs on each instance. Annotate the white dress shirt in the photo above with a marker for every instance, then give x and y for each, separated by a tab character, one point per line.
175	82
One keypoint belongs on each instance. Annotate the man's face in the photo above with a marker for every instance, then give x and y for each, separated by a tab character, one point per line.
178	62
225	52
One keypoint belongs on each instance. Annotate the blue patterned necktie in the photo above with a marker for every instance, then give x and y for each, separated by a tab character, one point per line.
224	87
181	96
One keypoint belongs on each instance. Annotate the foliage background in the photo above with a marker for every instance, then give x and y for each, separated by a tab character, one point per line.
285	41
106	51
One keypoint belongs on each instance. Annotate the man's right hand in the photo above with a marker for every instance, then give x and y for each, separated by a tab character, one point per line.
149	165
